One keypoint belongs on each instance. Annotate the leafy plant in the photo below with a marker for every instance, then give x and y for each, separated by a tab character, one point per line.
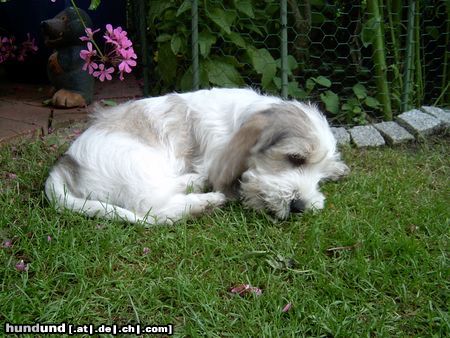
354	108
229	55
239	44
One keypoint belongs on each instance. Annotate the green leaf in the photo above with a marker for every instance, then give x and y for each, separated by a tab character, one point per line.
277	82
94	4
256	29
263	63
231	60
317	18
331	101
357	109
368	32
205	41
169	17
372	102
317	3
185	6
175	43
271	9
310	84
163	37
360	91
237	39
186	80
223	19
323	81
156	11
245	7
110	103
167	62
292	63
347	107
295	91
222	74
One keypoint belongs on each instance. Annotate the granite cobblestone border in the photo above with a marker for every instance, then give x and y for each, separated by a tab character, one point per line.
409	126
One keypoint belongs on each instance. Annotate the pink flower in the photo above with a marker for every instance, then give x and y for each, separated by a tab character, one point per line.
7	244
287	307
125	43
7	48
109	30
89	34
145	251
49	238
91	66
114	34
21	56
87	56
117	36
21	266
103	73
28	46
127	61
118	53
110	36
243	289
11	176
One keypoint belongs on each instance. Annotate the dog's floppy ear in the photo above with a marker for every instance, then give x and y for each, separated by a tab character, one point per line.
233	160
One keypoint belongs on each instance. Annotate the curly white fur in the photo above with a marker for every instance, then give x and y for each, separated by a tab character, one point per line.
151	160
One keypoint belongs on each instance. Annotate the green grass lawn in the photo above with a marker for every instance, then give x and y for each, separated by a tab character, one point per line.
374	262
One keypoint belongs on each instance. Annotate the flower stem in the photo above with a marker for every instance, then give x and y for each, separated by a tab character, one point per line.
84	25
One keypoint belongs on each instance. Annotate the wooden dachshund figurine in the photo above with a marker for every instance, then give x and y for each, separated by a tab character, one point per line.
73	86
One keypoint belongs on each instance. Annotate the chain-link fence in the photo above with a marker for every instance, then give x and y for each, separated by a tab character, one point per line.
361	60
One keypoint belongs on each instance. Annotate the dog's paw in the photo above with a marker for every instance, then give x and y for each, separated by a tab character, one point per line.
64	98
191	183
216	198
209	202
205	202
317	203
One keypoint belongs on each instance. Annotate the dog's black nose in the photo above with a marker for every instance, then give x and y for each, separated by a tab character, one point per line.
297	206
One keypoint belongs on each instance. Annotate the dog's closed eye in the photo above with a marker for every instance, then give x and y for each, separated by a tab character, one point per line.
296	160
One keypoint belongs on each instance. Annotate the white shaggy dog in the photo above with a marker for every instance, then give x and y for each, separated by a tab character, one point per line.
151	160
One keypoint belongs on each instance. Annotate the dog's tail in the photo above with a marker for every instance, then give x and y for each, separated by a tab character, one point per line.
57	189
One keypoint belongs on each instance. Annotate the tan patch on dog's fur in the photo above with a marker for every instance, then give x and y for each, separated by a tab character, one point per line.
135	120
233	161
131	120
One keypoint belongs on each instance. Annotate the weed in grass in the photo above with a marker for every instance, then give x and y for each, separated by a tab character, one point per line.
373	262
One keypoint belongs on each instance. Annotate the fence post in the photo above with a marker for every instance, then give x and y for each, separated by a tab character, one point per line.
409	56
194	42
143	38
284	49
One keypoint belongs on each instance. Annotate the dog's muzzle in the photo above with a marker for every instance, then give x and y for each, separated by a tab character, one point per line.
297	206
